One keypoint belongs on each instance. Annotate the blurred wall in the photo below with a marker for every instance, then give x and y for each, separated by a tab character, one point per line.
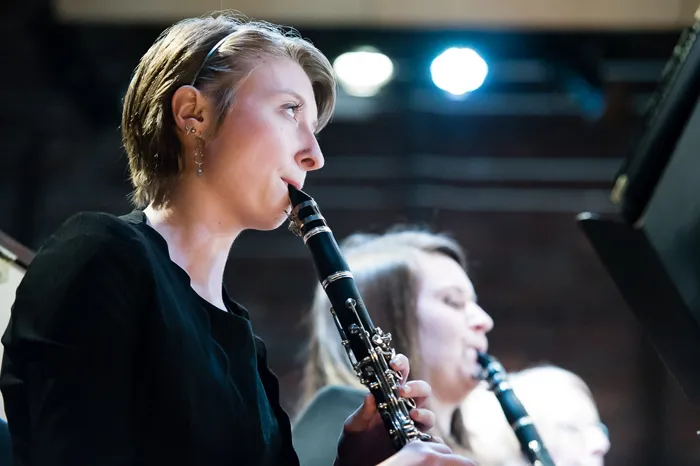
558	14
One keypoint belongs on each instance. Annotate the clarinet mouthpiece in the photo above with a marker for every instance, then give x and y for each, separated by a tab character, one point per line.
483	359
297	196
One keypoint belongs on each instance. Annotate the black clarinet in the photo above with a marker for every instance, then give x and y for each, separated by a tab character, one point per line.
368	348
530	442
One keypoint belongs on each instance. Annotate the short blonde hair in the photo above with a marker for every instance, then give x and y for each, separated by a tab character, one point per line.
180	56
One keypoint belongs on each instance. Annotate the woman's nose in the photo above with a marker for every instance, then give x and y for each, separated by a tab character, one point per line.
311	158
598	441
479	319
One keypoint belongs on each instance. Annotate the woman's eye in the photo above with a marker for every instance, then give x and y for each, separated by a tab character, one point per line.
452	302
292	110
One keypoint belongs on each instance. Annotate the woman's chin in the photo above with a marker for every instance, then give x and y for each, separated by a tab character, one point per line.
457	390
469	385
469	381
273	224
272	221
276	221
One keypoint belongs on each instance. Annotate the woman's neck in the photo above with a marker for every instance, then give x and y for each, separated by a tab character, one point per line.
197	241
443	413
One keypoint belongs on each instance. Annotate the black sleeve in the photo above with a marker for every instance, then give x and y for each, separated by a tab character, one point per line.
271	384
67	374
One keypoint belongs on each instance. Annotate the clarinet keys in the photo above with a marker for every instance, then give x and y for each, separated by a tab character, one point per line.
369	349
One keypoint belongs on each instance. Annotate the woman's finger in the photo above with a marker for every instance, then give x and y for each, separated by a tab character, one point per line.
418	390
400	364
424	418
362	418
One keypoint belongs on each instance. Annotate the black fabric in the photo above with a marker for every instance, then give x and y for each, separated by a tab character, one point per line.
5	444
111	358
317	428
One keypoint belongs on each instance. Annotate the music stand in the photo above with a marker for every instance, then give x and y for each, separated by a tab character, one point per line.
14	260
652	248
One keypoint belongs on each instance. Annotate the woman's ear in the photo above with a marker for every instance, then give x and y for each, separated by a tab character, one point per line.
191	111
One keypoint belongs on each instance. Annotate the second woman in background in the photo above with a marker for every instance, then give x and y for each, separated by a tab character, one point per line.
415	286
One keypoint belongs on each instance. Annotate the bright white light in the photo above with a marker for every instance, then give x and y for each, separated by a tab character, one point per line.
364	72
459	70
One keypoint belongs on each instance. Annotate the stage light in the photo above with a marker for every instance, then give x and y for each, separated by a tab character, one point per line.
363	72
458	71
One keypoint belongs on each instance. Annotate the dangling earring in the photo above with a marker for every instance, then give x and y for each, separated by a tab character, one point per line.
199	153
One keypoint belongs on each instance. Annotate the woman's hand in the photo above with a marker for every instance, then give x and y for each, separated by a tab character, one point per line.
365	441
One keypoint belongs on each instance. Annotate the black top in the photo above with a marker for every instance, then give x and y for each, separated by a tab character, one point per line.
5	445
111	358
318	427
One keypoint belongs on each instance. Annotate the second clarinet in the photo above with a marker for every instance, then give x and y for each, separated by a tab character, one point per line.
530	442
368	348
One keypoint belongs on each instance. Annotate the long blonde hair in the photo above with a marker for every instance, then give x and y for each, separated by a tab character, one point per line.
387	273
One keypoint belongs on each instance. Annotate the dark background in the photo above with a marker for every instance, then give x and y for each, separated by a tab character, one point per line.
505	172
